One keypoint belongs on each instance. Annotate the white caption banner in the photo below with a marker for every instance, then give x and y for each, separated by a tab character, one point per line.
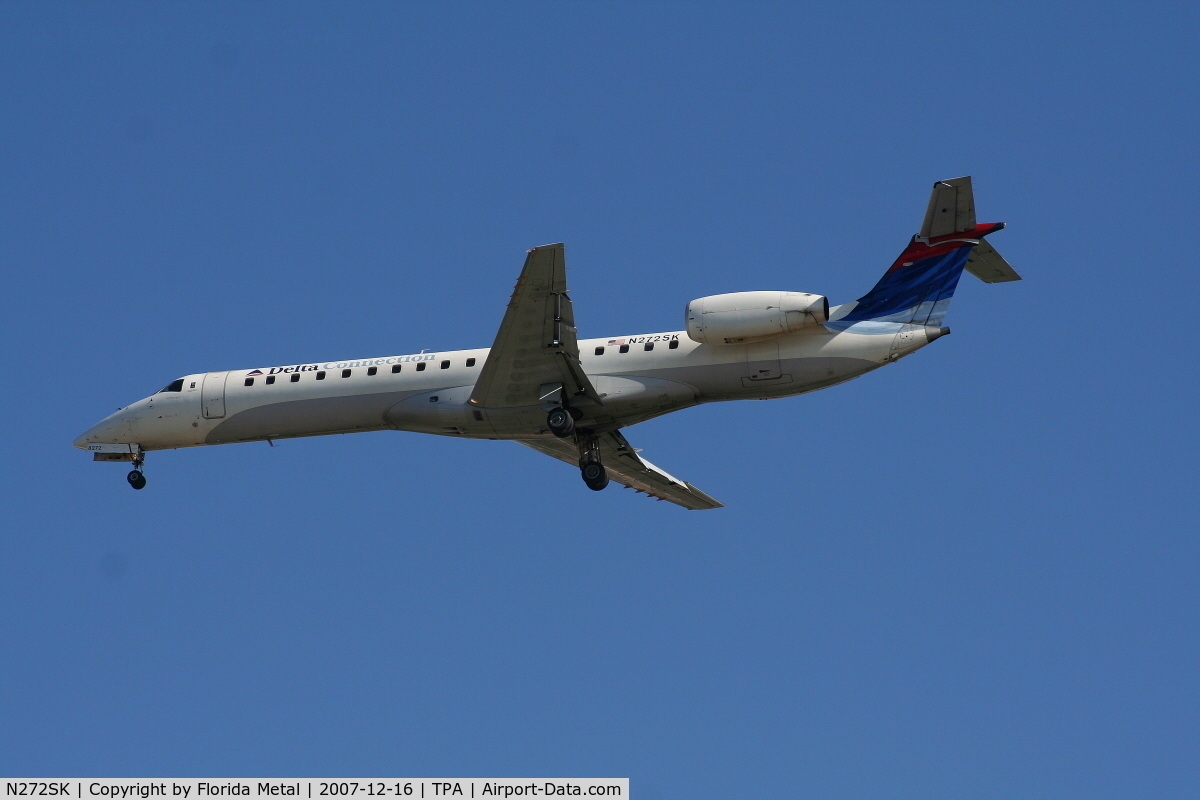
319	788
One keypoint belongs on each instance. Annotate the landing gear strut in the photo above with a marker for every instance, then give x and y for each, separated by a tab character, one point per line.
136	479
590	469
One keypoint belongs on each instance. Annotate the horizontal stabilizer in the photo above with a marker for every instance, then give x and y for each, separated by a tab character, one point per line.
989	266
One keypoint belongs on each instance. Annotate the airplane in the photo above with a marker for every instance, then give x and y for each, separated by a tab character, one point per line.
542	387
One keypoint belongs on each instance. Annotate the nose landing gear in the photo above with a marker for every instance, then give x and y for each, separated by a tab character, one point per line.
136	479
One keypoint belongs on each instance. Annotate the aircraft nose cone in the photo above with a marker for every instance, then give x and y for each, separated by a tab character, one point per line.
92	434
111	429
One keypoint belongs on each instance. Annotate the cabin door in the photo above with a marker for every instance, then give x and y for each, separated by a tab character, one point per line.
213	397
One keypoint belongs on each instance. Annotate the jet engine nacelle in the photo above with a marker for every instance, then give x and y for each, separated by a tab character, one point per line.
749	316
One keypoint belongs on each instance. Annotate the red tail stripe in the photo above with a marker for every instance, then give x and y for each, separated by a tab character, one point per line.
940	245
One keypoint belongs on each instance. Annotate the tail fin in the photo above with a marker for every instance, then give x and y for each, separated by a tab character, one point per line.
918	286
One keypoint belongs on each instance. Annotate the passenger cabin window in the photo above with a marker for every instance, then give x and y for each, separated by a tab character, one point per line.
445	365
599	351
295	377
249	381
321	375
624	348
395	368
421	367
175	386
674	345
346	373
470	362
649	346
372	370
270	379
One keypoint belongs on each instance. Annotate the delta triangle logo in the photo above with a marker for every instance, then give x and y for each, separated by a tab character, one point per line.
255	372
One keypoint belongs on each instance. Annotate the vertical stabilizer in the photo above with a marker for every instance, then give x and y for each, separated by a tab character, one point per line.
951	209
917	288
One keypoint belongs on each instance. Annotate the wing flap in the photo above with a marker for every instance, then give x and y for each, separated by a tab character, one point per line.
626	467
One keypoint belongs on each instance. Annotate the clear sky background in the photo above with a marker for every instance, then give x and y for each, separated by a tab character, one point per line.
969	575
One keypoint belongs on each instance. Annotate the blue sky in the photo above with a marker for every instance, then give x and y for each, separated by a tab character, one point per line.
968	575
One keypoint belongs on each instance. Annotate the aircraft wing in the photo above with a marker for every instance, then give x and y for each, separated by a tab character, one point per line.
625	466
536	351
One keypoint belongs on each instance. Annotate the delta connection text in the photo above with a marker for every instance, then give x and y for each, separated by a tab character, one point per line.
363	362
130	789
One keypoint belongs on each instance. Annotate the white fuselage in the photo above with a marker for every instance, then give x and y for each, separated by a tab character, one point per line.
428	392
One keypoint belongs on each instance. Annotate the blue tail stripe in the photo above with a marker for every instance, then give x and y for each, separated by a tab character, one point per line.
915	293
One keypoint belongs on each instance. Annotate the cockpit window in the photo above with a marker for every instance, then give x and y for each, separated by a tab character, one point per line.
173	386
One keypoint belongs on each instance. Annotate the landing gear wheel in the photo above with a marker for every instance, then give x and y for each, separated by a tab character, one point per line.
136	479
560	422
594	475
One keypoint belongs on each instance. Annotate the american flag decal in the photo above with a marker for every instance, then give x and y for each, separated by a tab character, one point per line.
616	341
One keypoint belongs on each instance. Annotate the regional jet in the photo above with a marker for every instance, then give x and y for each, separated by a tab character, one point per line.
542	387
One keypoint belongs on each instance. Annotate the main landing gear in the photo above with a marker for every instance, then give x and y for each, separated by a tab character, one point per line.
561	422
136	479
594	475
590	468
